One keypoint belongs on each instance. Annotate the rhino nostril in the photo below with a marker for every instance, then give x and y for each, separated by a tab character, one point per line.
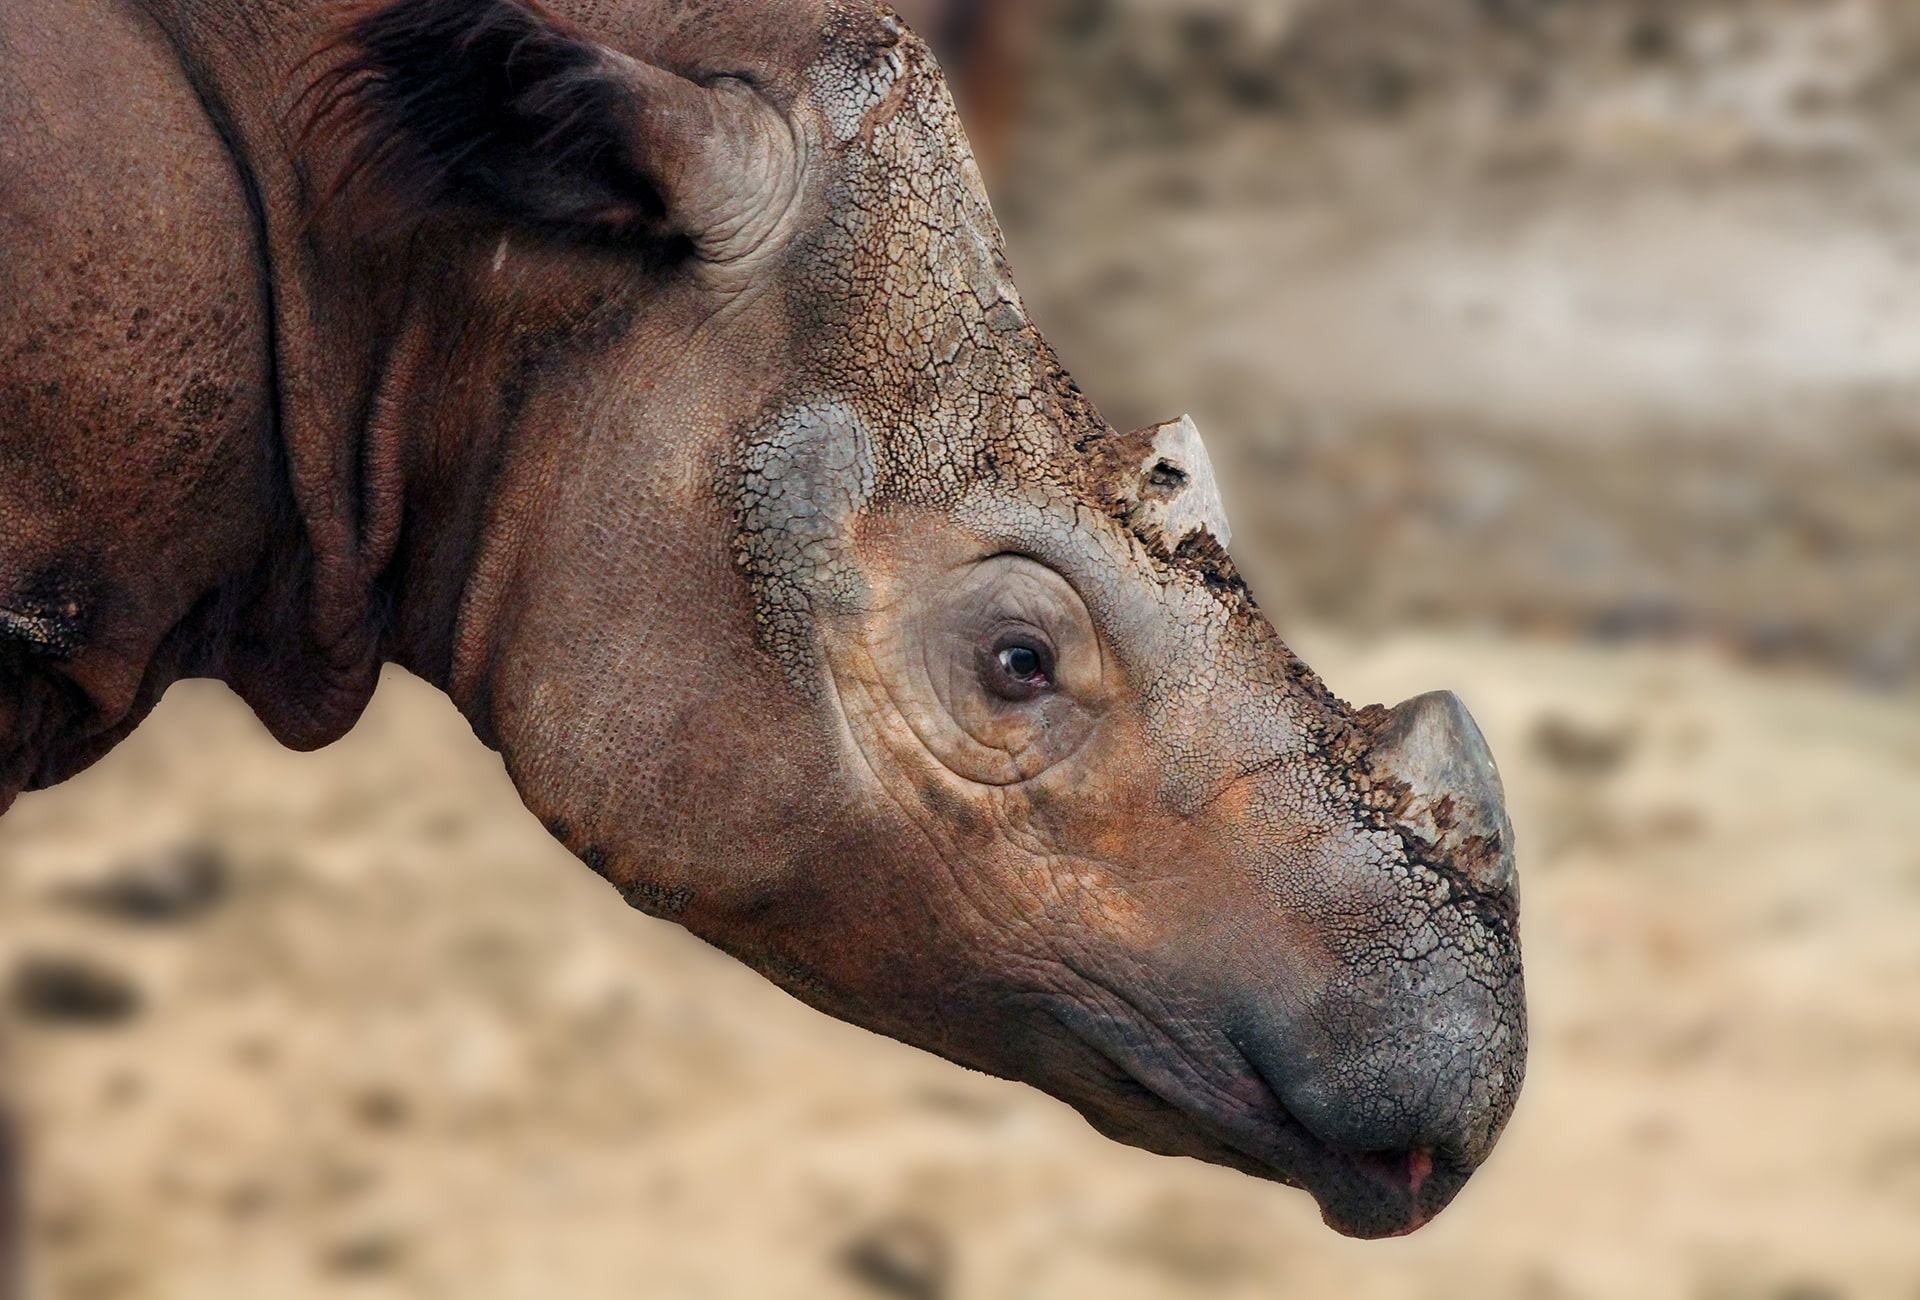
1454	800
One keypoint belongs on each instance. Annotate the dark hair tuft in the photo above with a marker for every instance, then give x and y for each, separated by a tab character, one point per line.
488	105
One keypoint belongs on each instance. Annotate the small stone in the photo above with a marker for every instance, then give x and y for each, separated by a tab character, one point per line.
382	1110
174	887
1580	750
363	1254
906	1259
68	989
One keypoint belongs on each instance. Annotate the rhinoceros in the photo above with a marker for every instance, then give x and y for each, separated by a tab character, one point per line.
649	375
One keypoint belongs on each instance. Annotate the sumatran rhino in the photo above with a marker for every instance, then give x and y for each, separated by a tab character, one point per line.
648	374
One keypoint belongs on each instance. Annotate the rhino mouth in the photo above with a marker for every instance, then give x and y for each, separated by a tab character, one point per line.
1157	1098
1361	1193
1383	1193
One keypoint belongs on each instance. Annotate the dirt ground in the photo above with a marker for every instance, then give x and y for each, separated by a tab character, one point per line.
348	1024
1563	354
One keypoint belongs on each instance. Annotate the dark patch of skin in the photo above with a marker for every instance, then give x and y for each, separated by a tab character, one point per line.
51	613
668	903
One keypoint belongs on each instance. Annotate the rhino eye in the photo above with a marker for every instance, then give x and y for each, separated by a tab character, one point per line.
1022	662
1018	667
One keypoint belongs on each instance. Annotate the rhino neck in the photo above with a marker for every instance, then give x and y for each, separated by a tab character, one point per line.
400	362
484	400
560	422
297	634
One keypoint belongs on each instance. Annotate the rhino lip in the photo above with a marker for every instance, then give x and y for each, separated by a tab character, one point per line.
1361	1192
1402	1177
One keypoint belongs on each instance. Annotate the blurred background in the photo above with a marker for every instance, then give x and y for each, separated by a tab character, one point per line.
1564	352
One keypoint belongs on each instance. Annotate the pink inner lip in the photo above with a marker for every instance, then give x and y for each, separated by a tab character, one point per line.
1419	1168
1406	1172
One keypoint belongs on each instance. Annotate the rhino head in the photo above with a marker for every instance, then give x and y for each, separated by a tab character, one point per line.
653	379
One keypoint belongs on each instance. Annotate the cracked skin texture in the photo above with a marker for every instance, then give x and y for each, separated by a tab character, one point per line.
712	466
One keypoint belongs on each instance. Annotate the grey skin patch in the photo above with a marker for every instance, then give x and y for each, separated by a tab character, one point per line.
804	477
849	86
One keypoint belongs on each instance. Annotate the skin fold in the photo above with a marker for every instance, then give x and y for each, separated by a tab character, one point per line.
650	376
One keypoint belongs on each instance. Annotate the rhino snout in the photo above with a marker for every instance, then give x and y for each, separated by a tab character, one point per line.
1401	1052
1402	1073
1397	1124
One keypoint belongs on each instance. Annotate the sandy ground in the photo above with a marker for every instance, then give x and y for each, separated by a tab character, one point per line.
347	1024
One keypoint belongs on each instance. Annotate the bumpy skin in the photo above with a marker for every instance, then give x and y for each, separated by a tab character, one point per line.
662	392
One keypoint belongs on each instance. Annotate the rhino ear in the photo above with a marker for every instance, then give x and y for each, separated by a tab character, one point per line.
495	107
1176	494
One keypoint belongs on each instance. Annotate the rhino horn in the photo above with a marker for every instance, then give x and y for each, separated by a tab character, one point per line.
1177	494
1454	799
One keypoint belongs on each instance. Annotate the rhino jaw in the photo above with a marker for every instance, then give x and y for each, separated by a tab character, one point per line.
1454	800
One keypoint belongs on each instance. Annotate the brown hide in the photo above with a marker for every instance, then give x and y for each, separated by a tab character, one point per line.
136	448
648	374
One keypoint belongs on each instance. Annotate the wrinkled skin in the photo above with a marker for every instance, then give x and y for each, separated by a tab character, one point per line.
649	376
